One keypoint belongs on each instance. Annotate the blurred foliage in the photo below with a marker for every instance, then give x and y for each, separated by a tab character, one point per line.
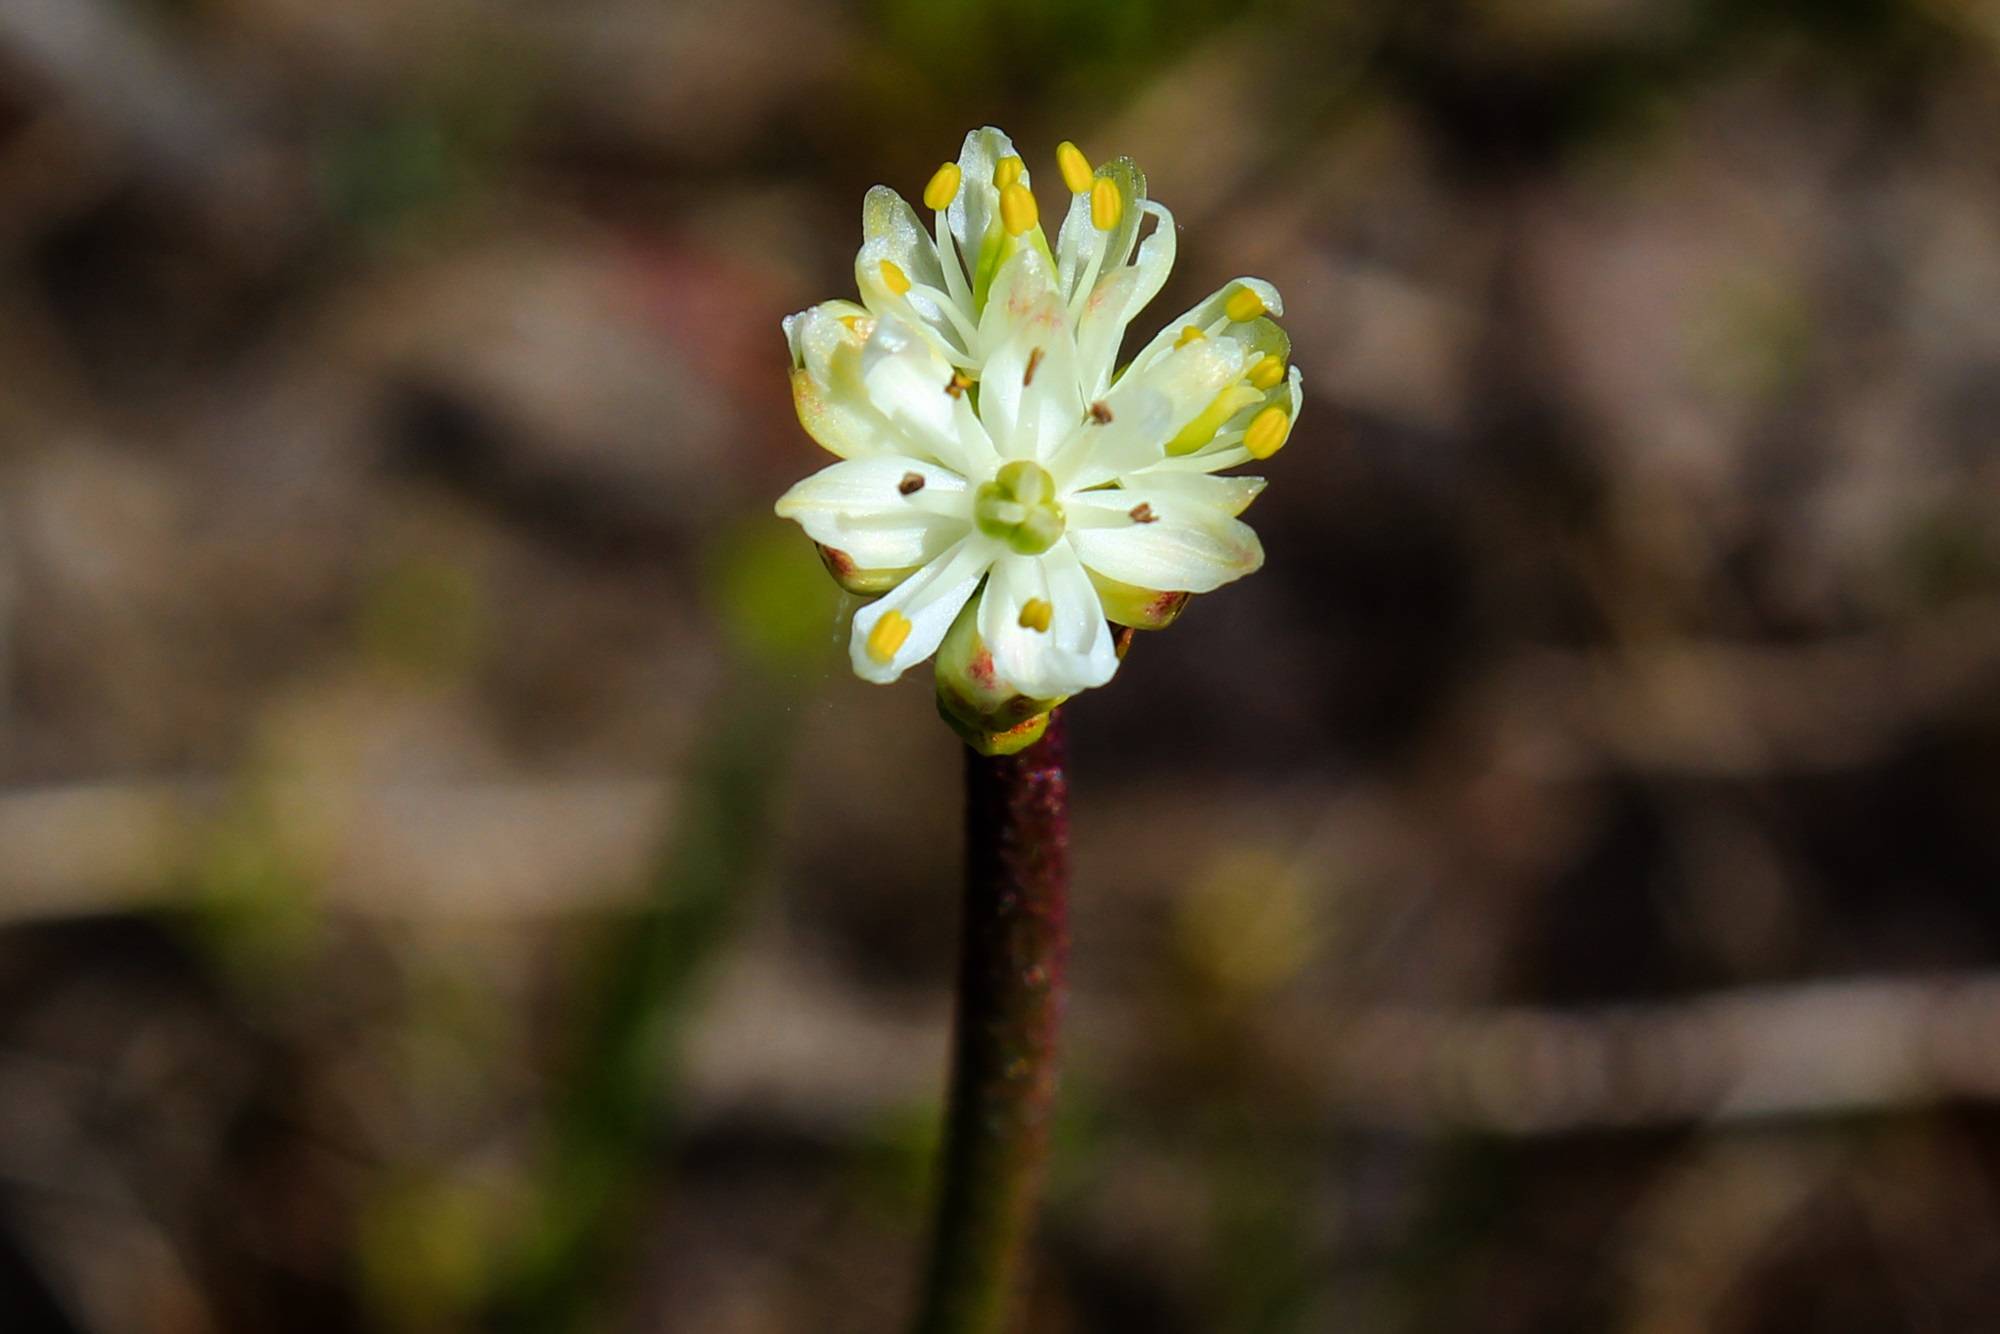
1042	49
426	1251
616	1102
772	596
388	172
253	893
425	616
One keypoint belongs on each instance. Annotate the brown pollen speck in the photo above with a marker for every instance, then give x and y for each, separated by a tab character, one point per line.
1100	414
912	483
1143	513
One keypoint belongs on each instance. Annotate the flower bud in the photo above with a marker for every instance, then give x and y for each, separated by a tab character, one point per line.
987	712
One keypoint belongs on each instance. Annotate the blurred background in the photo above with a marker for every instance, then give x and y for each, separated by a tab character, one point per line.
452	881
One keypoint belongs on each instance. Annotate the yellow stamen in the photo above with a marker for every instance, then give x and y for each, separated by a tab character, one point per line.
1007	171
1074	165
1267	373
894	278
888	635
1035	614
1107	206
1267	433
943	187
1243	304
853	323
1017	208
1190	334
1202	427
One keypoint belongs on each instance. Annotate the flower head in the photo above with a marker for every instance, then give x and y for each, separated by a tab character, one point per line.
999	482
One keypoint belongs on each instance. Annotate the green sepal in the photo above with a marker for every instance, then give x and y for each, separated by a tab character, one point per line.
1140	608
1009	742
860	582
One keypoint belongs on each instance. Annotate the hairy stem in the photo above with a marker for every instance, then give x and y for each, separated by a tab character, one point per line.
1010	1001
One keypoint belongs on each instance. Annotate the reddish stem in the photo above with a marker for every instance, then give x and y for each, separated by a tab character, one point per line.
1010	1002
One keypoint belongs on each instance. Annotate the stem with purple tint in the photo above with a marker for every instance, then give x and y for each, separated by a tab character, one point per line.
1010	1002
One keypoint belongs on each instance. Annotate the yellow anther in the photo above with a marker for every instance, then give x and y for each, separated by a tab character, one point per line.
1243	304
1107	206
894	278
888	635
943	187
1189	334
1074	165
1035	614
1017	208
853	323
1267	433
1007	171
1267	373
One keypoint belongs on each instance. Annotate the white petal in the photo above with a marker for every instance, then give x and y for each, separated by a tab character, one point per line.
833	406
930	598
858	507
1026	324
976	453
887	217
1100	328
817	333
909	384
1226	449
1156	258
921	310
1187	547
1260	338
1131	429
845	427
1228	495
1205	314
1209	460
1019	289
1075	653
976	208
1080	241
1118	298
1164	398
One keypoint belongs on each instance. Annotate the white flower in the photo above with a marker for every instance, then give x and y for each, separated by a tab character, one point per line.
988	450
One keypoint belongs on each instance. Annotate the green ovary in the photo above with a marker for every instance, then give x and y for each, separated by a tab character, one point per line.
1019	507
